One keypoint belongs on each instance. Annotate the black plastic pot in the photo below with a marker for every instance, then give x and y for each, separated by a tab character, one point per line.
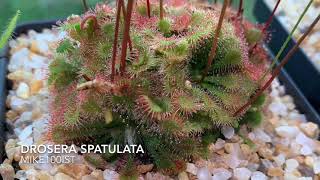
301	102
300	68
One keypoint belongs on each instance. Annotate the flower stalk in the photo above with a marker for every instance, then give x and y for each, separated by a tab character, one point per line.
126	37
215	39
115	41
277	70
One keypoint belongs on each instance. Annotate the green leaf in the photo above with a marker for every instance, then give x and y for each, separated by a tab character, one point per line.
65	46
6	35
253	35
164	27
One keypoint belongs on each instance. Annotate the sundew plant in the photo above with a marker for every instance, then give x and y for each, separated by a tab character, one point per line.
164	74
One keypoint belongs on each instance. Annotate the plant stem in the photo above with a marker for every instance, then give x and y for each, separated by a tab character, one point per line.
230	4
286	42
148	8
277	71
240	8
161	9
115	41
124	17
266	26
215	39
126	37
85	5
268	23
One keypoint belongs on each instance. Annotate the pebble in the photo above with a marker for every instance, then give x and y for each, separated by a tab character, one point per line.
110	175
278	108
61	176
242	173
74	170
310	129
280	159
261	135
228	132
204	174
291	165
287	131
183	176
7	171
23	91
25	133
219	144
221	174
316	166
191	168
275	172
257	175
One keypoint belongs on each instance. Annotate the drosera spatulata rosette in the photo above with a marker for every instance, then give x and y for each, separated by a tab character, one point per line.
139	74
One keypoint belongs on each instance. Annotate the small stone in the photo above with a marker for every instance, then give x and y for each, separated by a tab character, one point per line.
31	174
20	75
35	86
221	174
278	108
109	174
280	159
183	176
310	129
306	142
61	176
25	133
309	161
203	174
316	166
275	172
228	132
74	170
229	147
11	115
257	175
20	174
219	144
246	150
262	136
144	168
265	153
152	176
23	90
43	175
17	104
291	164
287	131
88	177
191	168
254	158
242	173
7	171
98	174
